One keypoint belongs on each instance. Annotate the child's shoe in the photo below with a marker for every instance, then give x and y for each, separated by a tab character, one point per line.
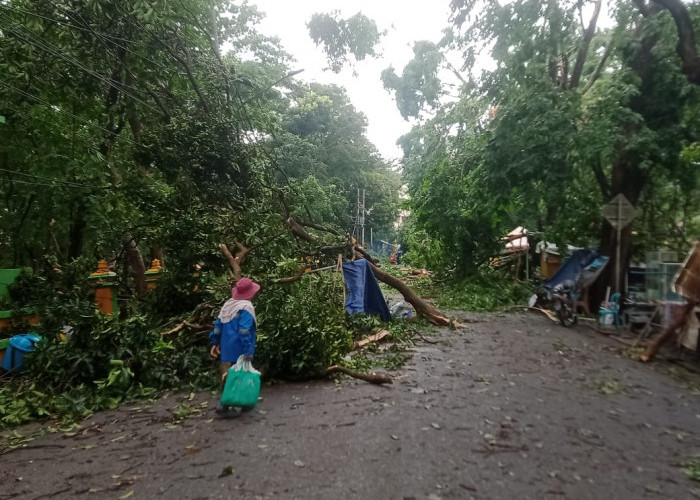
227	411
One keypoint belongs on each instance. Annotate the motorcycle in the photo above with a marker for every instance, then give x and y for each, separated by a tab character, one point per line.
563	297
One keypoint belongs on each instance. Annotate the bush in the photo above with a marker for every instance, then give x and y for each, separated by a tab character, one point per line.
102	362
302	326
486	291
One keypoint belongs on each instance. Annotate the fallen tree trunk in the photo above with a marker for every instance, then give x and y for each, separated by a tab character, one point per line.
422	308
372	378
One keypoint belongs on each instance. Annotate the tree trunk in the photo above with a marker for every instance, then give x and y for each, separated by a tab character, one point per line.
138	269
685	47
77	231
628	178
422	308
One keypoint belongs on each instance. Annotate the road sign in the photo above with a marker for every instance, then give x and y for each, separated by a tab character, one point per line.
619	212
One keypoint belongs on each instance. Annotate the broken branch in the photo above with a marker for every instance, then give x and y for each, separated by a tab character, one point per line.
203	327
372	378
298	230
235	262
377	337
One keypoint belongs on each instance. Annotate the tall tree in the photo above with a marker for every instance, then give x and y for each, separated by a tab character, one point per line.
567	106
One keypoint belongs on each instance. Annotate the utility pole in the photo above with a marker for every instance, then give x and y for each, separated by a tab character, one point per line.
363	218
357	215
359	230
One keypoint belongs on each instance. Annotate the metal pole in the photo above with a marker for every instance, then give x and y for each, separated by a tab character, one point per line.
357	215
617	254
363	218
527	264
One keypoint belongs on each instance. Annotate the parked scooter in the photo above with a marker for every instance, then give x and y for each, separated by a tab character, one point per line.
563	297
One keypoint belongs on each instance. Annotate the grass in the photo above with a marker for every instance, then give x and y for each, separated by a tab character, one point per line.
487	291
692	469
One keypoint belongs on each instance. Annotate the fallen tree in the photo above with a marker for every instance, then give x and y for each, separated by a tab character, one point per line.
423	309
276	301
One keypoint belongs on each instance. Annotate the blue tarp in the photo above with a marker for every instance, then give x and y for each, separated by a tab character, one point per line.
363	293
573	266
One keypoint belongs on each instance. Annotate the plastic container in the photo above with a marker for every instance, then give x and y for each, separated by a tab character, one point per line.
19	346
4	344
401	310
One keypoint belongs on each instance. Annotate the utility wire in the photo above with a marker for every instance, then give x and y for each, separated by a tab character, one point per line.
57	108
42	44
60	181
51	49
86	28
102	36
63	22
30	183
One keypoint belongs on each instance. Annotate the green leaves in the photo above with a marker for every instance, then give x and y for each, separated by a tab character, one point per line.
341	38
419	84
532	146
302	325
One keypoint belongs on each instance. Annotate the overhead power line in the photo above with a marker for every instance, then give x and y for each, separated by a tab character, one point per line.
114	40
42	44
63	22
46	184
56	108
59	181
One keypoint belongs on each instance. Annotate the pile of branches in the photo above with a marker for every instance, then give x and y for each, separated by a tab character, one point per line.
311	246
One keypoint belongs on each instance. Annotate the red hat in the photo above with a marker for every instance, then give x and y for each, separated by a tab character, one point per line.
245	289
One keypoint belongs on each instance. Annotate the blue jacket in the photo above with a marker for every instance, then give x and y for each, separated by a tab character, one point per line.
236	338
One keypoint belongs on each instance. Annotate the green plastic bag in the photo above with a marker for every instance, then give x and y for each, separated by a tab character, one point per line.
242	386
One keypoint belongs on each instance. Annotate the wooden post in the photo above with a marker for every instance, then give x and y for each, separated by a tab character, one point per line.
103	280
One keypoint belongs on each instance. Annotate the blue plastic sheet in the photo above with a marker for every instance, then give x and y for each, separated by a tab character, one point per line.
363	293
574	265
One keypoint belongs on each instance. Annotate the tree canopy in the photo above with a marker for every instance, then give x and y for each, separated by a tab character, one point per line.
571	115
138	125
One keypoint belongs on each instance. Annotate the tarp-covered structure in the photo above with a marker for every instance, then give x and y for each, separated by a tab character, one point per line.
584	263
363	292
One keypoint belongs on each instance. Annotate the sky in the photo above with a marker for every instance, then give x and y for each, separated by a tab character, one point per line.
406	21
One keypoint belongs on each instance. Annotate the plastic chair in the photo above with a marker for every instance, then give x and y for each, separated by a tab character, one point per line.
613	310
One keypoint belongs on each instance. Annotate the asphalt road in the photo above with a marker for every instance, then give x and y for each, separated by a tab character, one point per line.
511	406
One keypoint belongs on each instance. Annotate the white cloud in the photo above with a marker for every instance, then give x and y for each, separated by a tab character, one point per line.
405	22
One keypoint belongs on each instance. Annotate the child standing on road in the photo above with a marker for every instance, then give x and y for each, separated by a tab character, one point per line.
234	332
